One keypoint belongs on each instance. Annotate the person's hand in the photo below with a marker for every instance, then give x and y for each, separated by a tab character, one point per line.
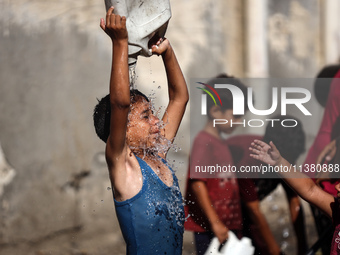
268	154
115	26
160	47
328	153
220	231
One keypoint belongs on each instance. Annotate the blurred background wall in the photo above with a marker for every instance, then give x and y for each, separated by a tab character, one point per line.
55	195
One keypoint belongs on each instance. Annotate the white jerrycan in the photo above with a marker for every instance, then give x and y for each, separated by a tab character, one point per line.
144	19
233	246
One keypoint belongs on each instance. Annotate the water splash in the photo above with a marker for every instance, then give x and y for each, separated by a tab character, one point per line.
161	145
132	76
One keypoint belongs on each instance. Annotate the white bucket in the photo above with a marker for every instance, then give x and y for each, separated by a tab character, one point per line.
233	246
144	19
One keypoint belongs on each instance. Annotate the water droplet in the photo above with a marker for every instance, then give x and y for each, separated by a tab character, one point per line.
274	208
282	221
108	188
284	245
285	233
159	87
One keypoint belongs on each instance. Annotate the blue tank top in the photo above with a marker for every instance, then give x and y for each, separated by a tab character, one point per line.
152	221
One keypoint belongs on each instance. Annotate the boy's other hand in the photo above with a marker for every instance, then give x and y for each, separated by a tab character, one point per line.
268	154
114	26
220	231
160	47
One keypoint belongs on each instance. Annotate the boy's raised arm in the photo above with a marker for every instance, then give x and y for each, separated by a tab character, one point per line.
115	27
303	185
177	87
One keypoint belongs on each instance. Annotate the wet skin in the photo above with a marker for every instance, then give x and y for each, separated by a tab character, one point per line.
143	131
145	140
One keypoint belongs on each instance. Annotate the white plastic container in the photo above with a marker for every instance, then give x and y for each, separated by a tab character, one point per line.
144	19
233	246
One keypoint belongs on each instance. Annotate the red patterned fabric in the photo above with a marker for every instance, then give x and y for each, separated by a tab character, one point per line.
335	248
223	190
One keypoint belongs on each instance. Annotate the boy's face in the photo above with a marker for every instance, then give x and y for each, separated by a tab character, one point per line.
143	128
228	115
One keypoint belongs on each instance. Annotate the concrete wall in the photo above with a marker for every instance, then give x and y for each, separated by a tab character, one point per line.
55	62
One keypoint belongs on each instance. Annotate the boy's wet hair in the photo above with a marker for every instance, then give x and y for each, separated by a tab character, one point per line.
102	113
225	94
290	141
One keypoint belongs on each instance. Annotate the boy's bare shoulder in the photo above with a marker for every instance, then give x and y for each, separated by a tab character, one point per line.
126	177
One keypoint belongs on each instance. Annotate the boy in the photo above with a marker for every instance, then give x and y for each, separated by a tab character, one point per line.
146	194
213	204
303	185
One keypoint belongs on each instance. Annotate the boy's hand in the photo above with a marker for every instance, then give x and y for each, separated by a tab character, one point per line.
220	231
161	46
268	154
115	26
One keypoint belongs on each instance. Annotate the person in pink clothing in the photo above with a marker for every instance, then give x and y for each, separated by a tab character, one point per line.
329	128
327	92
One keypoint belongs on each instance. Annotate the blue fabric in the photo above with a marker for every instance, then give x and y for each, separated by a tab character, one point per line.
152	221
